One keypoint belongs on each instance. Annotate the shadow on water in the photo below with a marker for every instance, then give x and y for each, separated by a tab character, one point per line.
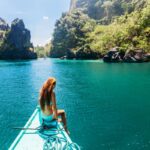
9	63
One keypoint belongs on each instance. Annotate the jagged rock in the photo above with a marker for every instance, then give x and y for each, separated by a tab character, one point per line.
114	55
130	56
90	7
17	43
135	56
147	57
3	25
3	28
99	9
19	36
106	9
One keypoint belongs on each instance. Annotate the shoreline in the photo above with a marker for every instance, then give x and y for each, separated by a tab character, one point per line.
97	60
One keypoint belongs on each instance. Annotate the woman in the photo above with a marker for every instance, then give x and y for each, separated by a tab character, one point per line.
49	113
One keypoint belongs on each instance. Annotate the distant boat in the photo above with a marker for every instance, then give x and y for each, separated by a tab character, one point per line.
63	57
30	138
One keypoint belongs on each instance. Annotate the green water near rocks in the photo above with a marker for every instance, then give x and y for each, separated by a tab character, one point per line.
107	105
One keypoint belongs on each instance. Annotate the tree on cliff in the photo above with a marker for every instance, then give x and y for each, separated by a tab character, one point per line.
87	38
69	33
131	31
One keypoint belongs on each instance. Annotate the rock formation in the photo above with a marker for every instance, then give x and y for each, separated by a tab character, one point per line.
19	36
106	9
130	56
16	44
3	28
3	25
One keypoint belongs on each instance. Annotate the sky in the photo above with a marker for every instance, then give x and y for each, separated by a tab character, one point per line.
39	16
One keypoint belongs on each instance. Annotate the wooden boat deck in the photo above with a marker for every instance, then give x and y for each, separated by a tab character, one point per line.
29	140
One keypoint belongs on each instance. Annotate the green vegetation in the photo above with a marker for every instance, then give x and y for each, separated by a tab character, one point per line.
43	51
106	10
87	38
70	33
127	32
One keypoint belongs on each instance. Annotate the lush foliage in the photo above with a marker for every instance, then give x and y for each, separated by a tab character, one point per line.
43	51
106	10
127	32
70	33
82	35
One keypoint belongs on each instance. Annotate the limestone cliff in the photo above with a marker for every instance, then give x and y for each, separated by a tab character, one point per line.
117	23
16	42
4	27
19	36
106	9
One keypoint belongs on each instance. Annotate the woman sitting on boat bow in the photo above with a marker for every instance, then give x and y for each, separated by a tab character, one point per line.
49	113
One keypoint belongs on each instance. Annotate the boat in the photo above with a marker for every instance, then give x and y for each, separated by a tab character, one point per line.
31	137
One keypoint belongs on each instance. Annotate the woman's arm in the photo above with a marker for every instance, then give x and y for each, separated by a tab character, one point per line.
54	106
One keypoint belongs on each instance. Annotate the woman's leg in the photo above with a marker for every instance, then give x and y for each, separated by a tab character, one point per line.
62	113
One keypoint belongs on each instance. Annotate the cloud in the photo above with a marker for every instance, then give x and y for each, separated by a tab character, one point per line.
45	17
20	12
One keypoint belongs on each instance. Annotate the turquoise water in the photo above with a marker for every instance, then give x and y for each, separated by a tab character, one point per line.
107	105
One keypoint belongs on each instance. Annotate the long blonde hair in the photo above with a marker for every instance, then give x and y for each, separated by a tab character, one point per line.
46	92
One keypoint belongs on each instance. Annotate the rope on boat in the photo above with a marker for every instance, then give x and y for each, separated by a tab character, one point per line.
53	142
56	143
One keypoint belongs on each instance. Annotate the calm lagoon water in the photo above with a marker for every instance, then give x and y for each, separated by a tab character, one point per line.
107	105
